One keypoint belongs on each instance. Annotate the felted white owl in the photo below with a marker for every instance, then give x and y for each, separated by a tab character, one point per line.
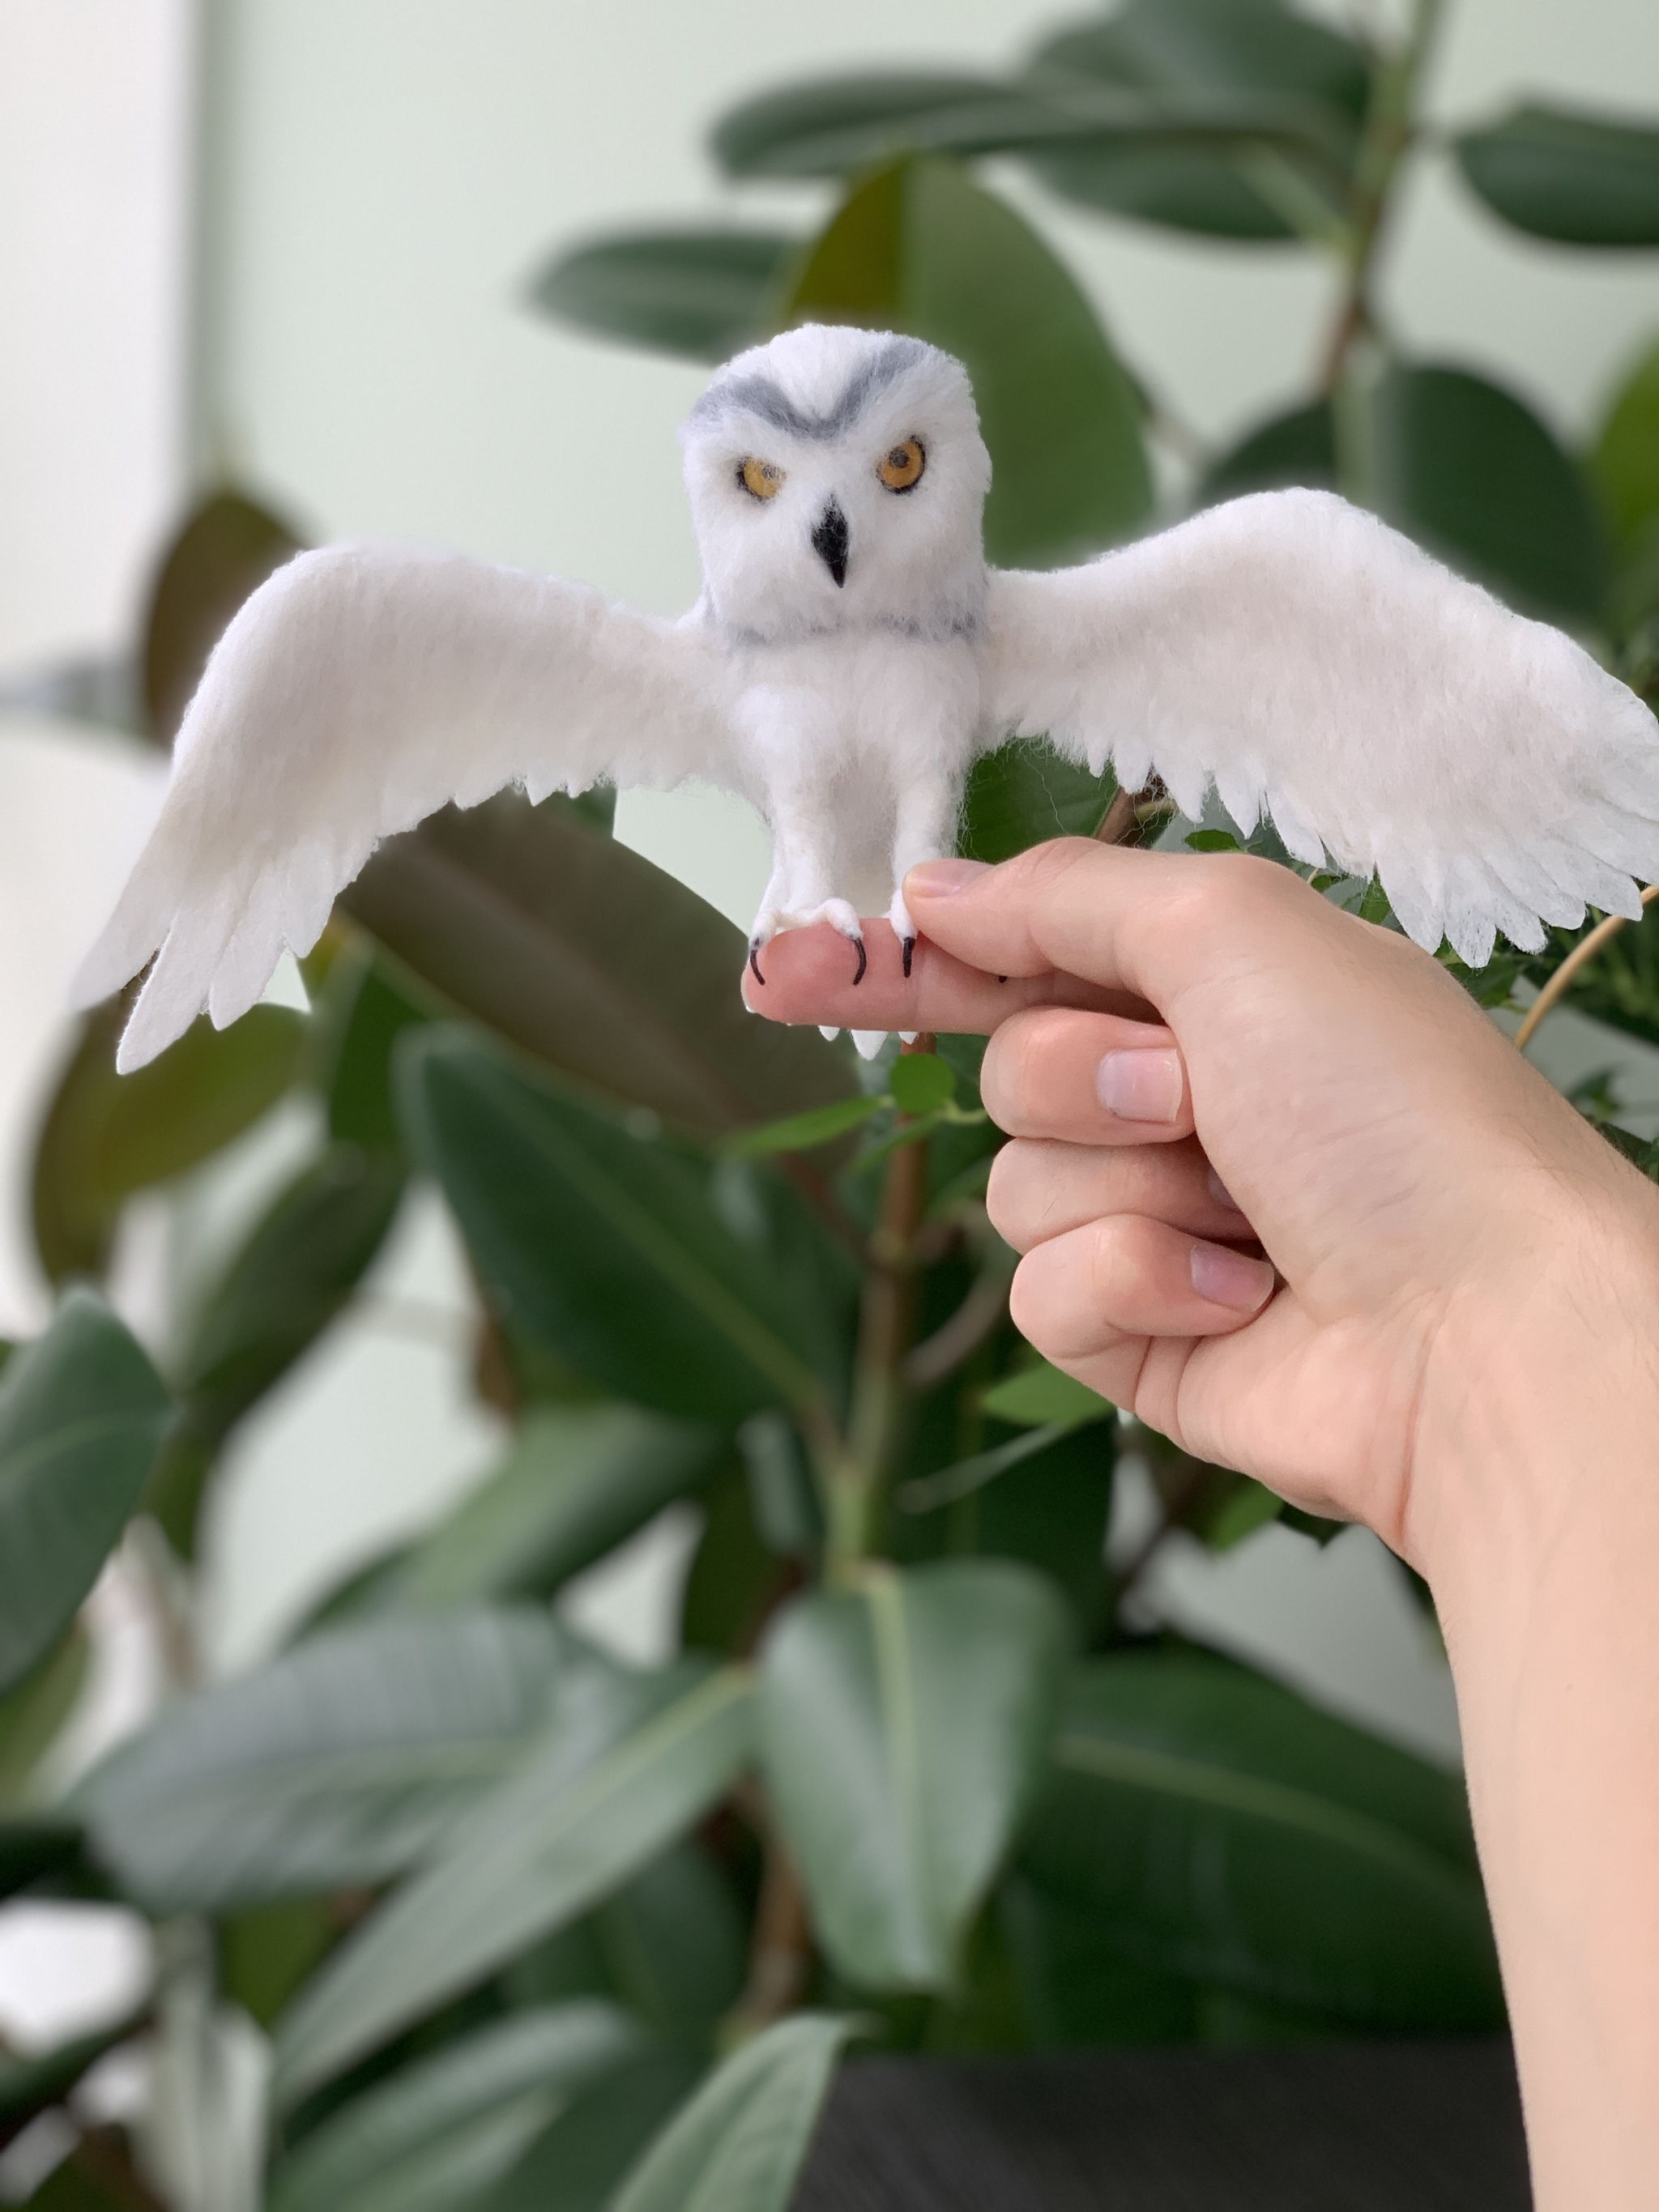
850	656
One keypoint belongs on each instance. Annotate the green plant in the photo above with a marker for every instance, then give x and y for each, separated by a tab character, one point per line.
502	1902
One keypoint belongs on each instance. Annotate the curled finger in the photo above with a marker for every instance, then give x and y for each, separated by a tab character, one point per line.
1077	1294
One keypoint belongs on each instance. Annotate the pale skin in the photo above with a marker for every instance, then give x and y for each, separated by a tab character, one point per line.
1453	1337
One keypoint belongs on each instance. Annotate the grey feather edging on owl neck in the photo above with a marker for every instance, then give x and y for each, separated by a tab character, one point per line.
850	657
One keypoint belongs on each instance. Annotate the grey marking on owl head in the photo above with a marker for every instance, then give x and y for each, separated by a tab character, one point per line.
764	396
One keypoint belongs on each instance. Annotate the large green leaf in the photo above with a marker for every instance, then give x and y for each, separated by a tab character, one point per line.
1113	127
343	1761
608	1245
591	960
1557	173
363	1011
705	293
442	2130
578	1481
1473	474
1214	1825
627	1764
919	248
837	127
82	1414
106	1136
224	550
1023	794
740	2142
32	1713
294	1274
1625	462
671	1945
1256	186
575	2166
1462	466
33	1847
1297	448
904	1727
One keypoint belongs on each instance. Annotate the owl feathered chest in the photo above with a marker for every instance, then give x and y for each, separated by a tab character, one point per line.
888	697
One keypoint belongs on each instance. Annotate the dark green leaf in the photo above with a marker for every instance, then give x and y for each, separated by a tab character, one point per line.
1473	474
1297	448
27	2085
362	1013
267	1951
592	961
1213	841
1036	1396
741	2141
1221	47
674	1943
705	292
579	1480
1043	1495
903	1728
82	1414
1557	173
610	1246
626	1764
836	126
1216	1826
921	1083
295	1274
804	1133
36	1846
106	1136
32	1713
1077	1987
342	1762
1217	45
1625	462
576	2164
1023	794
735	1579
444	2130
917	248
224	551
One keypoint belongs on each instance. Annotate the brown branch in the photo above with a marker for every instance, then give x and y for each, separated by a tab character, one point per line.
780	1943
1131	814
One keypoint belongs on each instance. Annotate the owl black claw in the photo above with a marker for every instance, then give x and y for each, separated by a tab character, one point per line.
864	961
754	965
907	947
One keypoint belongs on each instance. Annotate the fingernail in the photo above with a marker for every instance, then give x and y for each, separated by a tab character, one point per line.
1221	1195
938	878
1140	1086
1228	1279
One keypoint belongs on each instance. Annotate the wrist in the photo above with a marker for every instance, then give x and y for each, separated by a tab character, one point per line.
1540	1408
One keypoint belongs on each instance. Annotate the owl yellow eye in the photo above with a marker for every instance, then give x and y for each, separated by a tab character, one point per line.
760	479
900	468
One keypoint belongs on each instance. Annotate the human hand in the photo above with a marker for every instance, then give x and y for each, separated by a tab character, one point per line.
1178	1032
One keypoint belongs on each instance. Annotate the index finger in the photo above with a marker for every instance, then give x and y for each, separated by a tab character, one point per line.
808	977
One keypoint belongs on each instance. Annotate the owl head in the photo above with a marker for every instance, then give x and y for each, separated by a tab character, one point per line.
836	479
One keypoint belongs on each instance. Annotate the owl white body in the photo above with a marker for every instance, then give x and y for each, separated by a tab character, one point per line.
849	657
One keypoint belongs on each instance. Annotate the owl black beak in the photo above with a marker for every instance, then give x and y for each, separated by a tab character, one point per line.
829	541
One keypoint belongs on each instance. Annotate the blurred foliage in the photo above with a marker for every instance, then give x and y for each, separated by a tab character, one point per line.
531	1929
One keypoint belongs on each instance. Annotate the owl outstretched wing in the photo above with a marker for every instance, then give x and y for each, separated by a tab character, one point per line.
355	692
1317	667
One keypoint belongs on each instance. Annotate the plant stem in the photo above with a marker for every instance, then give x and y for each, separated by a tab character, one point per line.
779	1945
1585	950
1389	131
886	1325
